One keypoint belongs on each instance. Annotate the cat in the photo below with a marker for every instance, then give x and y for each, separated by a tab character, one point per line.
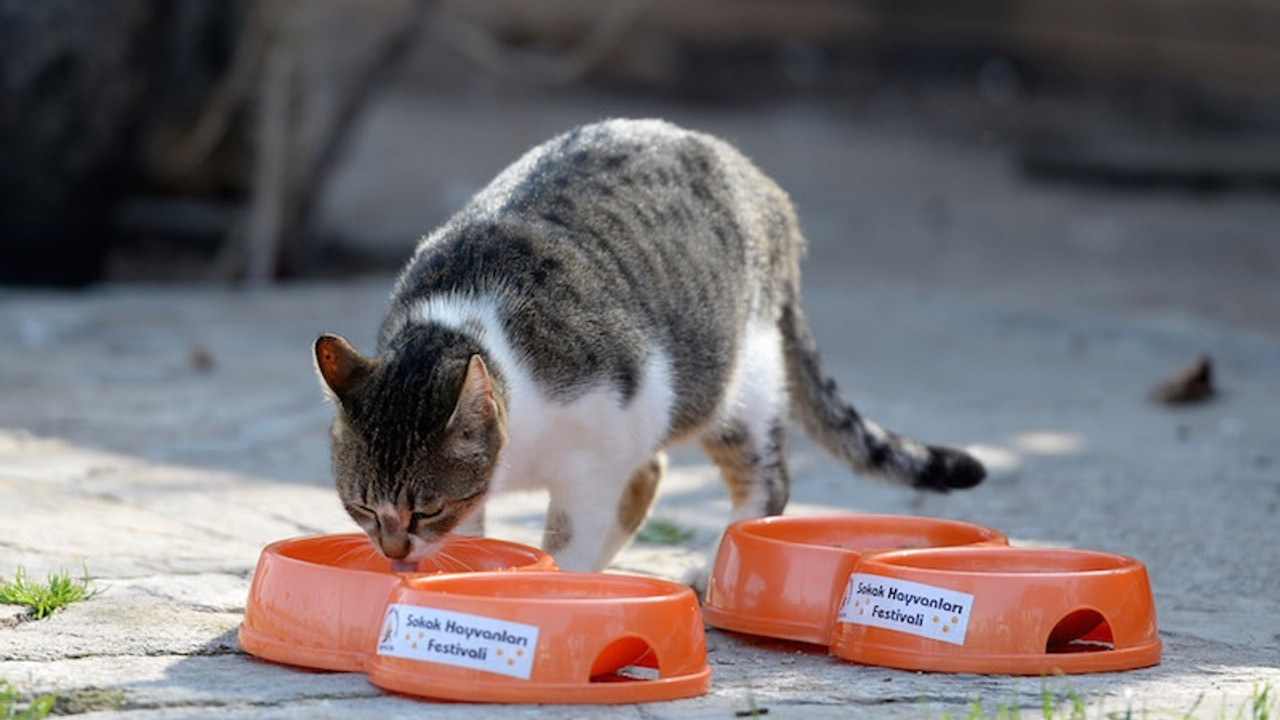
621	288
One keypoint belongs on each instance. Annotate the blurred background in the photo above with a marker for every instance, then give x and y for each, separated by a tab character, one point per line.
249	142
1021	215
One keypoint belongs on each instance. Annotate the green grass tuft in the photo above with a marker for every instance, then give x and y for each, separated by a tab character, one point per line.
58	591
87	700
1261	705
662	532
1264	702
13	707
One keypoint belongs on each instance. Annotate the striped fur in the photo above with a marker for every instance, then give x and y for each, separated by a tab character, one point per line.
625	286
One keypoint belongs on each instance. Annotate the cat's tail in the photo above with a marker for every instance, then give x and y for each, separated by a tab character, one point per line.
864	446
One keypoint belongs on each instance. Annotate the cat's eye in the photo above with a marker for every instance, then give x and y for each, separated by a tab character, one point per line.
473	495
362	509
418	517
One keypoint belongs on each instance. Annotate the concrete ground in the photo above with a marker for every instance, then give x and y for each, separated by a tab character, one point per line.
160	436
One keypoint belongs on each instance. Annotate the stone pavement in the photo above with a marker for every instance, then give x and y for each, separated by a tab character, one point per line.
160	436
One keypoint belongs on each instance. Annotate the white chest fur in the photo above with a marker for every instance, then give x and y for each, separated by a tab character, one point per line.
550	443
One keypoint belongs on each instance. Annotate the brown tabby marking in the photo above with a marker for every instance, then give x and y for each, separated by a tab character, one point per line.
637	497
558	531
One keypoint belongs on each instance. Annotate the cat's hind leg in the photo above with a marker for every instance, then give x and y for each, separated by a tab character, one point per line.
748	441
749	445
585	530
753	465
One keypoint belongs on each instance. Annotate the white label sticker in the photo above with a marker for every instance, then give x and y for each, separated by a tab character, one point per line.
459	639
910	607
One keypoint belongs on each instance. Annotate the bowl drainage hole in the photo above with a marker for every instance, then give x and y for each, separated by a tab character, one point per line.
627	659
1080	631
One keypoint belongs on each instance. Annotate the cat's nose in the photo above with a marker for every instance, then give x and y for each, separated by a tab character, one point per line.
395	546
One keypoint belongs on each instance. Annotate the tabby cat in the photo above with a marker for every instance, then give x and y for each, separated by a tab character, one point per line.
621	288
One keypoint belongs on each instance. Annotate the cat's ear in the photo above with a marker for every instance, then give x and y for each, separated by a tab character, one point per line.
340	366
475	425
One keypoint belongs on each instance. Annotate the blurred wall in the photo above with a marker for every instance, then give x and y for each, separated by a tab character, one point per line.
84	88
1206	45
98	97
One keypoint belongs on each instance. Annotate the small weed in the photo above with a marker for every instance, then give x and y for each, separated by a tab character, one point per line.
1261	705
12	706
1070	707
662	532
88	700
753	710
58	591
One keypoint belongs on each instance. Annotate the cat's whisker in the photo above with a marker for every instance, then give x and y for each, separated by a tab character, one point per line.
358	544
478	546
497	561
353	549
444	558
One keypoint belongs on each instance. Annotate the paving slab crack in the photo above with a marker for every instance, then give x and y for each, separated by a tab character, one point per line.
216	651
17	618
190	605
302	528
127	704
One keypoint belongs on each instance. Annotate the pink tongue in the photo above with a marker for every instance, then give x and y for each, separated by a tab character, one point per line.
404	566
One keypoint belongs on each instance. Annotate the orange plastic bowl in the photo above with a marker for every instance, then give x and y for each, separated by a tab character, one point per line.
318	601
784	577
542	638
1015	611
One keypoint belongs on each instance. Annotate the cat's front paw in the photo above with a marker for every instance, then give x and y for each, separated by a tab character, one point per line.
697	578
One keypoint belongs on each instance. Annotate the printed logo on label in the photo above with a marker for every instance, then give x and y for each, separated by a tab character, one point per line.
459	639
910	607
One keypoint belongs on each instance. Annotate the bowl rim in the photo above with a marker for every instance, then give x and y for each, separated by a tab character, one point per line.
751	527
439	584
906	562
279	549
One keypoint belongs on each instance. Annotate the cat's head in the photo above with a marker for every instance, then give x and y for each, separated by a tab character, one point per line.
415	438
